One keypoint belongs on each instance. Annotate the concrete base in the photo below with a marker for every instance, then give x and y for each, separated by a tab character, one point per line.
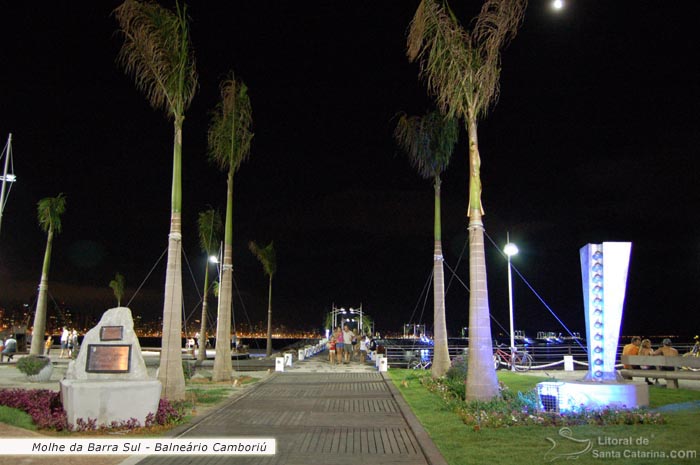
109	400
563	396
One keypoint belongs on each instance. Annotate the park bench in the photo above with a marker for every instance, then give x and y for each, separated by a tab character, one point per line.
679	364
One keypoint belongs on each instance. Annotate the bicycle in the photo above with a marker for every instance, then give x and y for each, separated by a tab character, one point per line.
418	364
520	361
414	361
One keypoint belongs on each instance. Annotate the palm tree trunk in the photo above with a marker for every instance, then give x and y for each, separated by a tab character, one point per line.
39	328
441	355
482	383
222	360
170	372
202	354
268	350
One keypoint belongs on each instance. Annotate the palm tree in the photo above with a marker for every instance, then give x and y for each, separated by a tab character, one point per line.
229	145
429	142
209	236
49	211
118	284
462	69
158	54
266	256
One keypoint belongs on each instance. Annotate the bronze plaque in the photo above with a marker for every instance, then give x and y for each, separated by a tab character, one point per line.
106	358
111	333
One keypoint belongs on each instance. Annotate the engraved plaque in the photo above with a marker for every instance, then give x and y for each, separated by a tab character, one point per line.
111	333
105	358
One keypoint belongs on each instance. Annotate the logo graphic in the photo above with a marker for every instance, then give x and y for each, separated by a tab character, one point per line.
570	449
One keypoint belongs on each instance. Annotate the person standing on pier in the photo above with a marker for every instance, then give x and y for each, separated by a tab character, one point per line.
339	345
347	343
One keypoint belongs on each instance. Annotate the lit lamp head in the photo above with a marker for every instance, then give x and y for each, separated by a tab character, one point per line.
510	249
213	259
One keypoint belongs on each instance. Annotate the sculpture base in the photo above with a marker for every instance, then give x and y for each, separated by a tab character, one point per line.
109	400
573	395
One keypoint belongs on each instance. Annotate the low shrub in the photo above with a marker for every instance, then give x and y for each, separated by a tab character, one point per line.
522	409
46	410
32	364
458	369
167	414
43	405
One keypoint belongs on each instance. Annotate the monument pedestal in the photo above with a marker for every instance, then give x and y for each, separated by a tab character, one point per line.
108	381
109	400
572	395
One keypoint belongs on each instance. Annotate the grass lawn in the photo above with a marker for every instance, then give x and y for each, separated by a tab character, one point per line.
16	417
461	444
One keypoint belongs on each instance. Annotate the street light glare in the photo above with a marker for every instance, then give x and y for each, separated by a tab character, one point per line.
213	259
510	249
558	4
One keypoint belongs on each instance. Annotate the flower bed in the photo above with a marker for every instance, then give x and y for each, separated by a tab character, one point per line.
46	410
521	409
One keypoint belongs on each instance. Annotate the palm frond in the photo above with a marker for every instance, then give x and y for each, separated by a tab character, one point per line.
157	52
210	226
49	211
266	256
118	284
230	133
462	69
428	141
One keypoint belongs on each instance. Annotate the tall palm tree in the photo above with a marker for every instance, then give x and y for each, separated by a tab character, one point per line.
229	145
157	52
209	237
462	69
429	142
49	211
266	256
118	284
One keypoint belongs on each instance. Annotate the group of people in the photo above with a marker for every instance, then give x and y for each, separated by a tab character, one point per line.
345	346
639	346
69	343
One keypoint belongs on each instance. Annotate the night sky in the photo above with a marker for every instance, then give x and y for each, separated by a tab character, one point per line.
594	139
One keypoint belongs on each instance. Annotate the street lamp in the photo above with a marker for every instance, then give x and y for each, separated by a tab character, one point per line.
511	249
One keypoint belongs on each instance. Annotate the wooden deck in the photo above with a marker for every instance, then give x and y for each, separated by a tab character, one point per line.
317	418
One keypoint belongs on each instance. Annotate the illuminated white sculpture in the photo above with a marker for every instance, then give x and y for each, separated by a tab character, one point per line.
604	274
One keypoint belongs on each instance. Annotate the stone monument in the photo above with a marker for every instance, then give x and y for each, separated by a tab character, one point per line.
108	381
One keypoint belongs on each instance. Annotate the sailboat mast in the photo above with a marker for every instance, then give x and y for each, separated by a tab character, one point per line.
8	154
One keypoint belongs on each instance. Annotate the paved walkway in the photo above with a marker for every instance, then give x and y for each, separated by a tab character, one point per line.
319	414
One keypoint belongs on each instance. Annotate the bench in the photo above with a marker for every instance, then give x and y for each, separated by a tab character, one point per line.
656	362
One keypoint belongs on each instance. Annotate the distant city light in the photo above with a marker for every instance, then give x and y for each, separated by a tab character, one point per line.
558	4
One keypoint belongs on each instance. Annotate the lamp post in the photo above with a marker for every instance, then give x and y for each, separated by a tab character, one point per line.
511	249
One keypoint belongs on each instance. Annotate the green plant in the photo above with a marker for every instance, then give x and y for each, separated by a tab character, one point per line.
16	417
32	364
187	369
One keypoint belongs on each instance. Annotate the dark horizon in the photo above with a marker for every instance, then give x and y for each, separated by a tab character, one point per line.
593	139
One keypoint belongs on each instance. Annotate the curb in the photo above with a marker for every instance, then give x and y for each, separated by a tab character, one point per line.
430	450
